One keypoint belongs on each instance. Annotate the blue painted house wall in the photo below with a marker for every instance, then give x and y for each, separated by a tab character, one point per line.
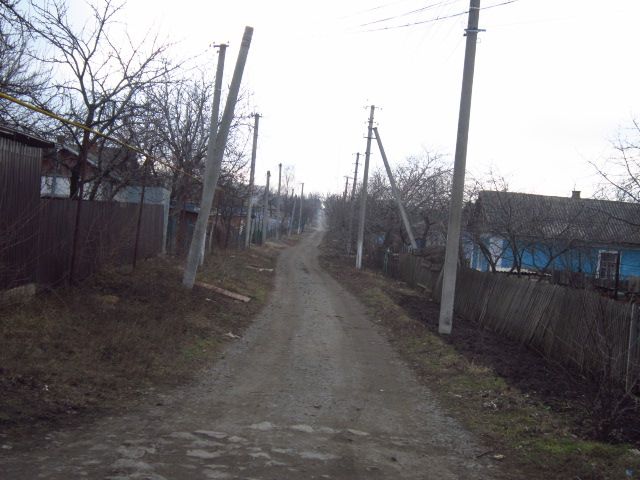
536	256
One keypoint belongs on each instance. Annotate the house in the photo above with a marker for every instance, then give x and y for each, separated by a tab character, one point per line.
106	171
520	232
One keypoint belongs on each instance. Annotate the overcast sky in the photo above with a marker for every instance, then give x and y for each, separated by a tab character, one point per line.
555	81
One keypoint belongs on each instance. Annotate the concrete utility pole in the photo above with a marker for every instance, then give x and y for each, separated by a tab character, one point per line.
363	200
396	193
351	206
247	233
265	210
457	189
278	201
300	210
293	211
213	125
215	160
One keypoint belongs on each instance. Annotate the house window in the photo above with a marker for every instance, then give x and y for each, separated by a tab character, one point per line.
607	264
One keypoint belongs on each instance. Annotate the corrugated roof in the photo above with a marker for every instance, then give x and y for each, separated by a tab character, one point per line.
570	219
24	138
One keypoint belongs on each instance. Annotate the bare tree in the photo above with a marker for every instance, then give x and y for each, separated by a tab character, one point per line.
179	111
99	71
20	75
424	183
621	172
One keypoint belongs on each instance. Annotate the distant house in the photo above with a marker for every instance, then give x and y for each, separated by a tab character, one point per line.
519	232
106	172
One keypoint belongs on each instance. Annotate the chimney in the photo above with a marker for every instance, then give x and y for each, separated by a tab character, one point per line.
575	194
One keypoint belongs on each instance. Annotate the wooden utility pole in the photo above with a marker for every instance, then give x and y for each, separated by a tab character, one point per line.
265	210
346	186
450	267
300	210
396	193
363	200
213	124
278	201
215	162
351	205
252	174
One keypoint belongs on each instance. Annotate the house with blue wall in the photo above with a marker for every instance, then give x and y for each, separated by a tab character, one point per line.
526	233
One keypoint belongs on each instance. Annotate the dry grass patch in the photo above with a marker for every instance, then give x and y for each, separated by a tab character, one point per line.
120	334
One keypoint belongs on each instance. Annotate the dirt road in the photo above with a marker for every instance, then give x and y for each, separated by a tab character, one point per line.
311	391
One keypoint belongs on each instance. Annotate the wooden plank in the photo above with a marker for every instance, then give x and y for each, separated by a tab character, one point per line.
222	291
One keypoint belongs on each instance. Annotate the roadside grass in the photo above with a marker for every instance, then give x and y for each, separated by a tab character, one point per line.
520	431
121	334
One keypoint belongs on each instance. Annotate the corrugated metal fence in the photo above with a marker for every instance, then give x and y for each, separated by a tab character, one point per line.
36	234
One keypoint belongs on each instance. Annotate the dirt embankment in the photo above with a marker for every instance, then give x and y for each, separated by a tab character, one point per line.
534	416
102	344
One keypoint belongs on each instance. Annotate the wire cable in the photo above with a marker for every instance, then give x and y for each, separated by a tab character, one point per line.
436	19
418	10
73	123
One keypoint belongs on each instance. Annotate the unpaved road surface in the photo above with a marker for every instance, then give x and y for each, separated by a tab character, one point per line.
311	391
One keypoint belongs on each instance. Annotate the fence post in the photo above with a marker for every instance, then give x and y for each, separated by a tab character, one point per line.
632	348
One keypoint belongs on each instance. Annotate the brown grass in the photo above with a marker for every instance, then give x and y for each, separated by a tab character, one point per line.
120	334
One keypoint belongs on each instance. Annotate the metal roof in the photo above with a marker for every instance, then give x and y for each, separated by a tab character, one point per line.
24	138
581	220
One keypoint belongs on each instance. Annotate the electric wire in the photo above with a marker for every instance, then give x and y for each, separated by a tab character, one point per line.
73	123
417	10
436	19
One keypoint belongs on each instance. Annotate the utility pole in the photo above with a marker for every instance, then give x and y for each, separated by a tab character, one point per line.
300	210
346	185
247	237
293	211
278	201
213	124
363	200
396	193
215	162
351	206
450	267
265	210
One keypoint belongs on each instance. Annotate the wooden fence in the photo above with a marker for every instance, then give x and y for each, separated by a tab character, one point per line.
577	327
418	269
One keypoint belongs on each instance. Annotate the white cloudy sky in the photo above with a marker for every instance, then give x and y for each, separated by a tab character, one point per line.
555	80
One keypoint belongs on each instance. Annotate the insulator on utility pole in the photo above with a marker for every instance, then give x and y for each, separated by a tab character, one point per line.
363	200
449	269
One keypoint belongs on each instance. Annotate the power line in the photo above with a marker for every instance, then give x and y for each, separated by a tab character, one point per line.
422	9
379	7
436	19
86	128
